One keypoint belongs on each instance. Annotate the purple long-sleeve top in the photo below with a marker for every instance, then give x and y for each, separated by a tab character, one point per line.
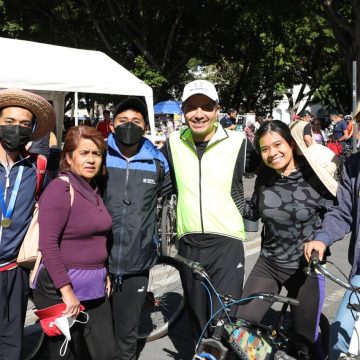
72	237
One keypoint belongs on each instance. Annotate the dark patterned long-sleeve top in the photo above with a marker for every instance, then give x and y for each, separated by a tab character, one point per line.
291	209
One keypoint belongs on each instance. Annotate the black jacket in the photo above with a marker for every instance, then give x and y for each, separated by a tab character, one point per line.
130	196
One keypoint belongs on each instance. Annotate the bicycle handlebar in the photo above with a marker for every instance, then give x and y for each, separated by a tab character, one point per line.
269	297
314	258
315	263
194	266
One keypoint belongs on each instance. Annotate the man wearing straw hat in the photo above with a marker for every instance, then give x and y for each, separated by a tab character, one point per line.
24	116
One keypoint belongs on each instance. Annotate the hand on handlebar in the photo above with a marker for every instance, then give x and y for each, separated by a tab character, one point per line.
317	245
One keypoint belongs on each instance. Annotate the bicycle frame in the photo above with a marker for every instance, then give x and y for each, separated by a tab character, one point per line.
214	343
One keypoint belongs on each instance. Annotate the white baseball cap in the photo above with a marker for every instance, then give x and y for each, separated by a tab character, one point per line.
203	87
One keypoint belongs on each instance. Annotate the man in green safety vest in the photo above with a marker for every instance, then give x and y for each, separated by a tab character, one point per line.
208	163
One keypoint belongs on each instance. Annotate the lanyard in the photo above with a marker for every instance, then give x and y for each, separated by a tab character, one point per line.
7	213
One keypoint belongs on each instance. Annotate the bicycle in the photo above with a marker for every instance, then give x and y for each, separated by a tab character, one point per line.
247	340
315	263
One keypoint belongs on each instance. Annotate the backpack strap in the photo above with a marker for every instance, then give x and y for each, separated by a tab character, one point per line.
34	272
41	164
65	178
159	170
169	154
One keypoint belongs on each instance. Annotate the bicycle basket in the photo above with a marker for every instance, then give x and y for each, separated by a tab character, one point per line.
250	342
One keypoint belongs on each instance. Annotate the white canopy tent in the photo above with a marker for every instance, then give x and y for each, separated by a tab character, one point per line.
52	71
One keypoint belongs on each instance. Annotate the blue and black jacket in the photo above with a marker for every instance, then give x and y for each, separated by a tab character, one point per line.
131	192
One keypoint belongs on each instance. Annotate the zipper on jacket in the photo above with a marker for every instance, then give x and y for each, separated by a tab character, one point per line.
200	198
193	147
126	202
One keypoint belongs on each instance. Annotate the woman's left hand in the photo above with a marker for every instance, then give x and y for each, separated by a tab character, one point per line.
108	285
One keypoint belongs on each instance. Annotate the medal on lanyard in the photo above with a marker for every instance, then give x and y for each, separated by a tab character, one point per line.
7	212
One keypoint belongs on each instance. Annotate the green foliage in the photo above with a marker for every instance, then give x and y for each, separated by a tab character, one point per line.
254	51
147	73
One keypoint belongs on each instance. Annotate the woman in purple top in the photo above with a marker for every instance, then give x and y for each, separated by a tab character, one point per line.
72	241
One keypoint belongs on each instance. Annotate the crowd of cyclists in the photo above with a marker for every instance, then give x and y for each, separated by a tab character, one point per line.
98	231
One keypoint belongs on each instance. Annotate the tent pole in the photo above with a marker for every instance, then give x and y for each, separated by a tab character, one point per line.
76	108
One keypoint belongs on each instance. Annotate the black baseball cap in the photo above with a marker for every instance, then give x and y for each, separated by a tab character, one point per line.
133	103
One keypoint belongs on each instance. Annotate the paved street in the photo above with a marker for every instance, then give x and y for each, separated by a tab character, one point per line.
178	344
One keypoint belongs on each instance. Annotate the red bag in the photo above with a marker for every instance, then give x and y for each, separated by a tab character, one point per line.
335	146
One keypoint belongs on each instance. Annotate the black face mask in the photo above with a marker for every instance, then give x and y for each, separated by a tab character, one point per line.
14	137
128	133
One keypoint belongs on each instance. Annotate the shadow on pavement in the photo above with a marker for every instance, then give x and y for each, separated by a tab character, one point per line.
180	336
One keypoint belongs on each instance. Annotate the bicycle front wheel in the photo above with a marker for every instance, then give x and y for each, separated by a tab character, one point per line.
164	300
168	231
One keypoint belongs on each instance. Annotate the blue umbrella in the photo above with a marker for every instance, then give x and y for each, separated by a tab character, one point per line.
168	107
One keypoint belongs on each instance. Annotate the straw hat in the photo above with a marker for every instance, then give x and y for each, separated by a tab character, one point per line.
41	109
297	132
323	161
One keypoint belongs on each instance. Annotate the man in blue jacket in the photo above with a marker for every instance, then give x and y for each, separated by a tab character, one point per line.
137	173
24	116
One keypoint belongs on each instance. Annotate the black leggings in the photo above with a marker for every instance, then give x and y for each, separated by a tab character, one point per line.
309	290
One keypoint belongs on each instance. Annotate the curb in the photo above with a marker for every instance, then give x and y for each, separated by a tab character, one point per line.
252	244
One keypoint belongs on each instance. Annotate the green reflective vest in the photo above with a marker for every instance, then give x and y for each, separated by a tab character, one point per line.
210	190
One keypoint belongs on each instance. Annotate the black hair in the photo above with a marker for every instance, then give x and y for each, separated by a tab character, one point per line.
106	112
33	116
278	127
231	110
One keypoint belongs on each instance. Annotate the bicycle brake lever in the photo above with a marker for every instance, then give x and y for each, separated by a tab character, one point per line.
314	258
307	270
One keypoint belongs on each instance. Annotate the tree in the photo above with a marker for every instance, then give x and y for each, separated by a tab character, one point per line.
254	51
344	19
